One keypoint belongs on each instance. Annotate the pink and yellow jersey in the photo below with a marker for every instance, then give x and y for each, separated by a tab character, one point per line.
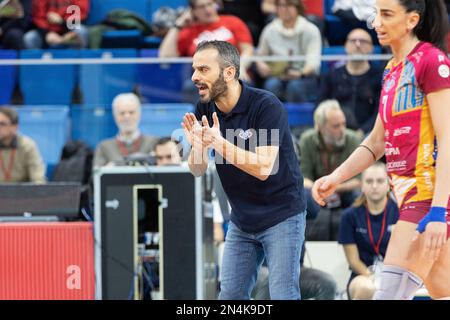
405	113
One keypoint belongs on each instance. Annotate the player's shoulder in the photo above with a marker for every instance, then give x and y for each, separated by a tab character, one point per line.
428	55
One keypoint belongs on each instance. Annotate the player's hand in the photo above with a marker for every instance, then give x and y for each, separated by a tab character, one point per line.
434	232
434	239
54	18
323	188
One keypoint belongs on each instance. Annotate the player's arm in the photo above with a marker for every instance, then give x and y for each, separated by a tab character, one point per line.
440	115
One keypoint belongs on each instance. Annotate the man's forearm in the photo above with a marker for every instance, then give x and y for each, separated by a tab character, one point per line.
198	161
252	163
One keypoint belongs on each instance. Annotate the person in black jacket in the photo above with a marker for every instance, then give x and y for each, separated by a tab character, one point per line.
356	85
15	19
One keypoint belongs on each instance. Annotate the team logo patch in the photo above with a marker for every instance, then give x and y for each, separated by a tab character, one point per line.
444	71
245	135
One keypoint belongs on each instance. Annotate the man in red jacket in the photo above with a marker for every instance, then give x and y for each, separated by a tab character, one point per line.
57	23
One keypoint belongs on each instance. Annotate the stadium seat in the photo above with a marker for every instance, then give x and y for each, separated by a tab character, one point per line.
162	119
162	83
92	124
300	114
48	127
100	83
8	77
48	84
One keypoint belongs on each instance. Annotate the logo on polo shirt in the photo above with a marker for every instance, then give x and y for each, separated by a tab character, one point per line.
245	135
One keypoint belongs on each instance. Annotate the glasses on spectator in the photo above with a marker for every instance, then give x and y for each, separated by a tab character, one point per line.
4	124
205	6
360	40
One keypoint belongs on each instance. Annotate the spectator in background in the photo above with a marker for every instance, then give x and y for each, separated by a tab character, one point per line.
15	18
314	11
356	85
54	24
20	160
203	22
291	34
323	149
248	11
365	230
129	140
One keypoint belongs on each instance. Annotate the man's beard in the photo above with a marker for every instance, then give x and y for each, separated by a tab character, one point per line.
218	88
334	142
127	128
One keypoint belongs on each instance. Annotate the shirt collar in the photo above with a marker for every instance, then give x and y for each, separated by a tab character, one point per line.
135	136
241	105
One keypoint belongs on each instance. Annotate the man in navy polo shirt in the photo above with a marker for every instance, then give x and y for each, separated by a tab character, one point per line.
258	168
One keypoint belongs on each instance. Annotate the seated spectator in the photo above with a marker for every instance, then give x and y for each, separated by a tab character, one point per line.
55	26
166	152
199	23
248	11
323	149
129	140
288	35
365	230
356	85
314	11
20	160
15	19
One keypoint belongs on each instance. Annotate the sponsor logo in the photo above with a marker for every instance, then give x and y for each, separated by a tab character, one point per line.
444	71
393	151
397	165
247	134
401	131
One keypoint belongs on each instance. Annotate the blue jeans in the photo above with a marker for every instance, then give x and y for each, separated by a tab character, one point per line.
244	253
33	39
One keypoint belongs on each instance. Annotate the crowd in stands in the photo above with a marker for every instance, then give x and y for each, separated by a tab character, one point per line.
345	96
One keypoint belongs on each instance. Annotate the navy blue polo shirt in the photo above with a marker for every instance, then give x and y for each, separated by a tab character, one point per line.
258	119
353	230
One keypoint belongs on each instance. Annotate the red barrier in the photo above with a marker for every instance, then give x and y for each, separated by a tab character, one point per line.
47	261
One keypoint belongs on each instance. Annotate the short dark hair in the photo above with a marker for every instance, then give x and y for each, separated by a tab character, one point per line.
162	141
11	114
228	54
